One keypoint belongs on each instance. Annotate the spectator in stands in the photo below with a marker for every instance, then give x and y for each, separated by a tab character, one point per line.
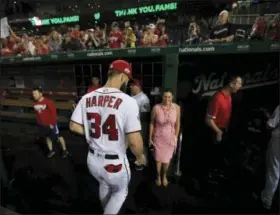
149	37
82	36
13	40
126	27
259	28
5	51
160	23
193	32
75	32
87	33
116	39
164	132
101	33
163	37
224	31
95	84
28	45
130	38
55	42
69	45
93	40
41	47
138	34
275	27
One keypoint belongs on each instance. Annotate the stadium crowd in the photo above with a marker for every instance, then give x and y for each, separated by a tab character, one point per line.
131	35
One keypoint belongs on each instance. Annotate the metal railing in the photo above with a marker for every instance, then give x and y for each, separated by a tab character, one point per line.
248	19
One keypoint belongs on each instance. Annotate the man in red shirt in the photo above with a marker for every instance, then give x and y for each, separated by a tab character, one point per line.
115	39
95	84
218	117
47	120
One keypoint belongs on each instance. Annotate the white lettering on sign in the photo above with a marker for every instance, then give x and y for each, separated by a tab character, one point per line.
209	84
100	53
197	49
31	58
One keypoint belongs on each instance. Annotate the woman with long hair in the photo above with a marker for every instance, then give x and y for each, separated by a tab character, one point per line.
164	132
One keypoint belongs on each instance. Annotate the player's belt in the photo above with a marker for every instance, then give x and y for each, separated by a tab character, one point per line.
108	157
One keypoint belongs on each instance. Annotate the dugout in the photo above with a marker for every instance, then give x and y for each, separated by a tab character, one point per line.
65	77
64	82
199	77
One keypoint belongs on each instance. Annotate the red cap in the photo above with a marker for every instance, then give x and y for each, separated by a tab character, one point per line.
122	66
136	82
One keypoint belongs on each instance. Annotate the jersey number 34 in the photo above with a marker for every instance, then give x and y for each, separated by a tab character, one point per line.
108	127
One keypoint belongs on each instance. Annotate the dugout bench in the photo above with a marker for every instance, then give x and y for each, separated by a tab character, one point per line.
17	105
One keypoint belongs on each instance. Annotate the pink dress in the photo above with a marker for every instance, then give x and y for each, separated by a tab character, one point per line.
164	138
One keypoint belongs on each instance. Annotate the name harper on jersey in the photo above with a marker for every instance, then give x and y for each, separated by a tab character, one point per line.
104	101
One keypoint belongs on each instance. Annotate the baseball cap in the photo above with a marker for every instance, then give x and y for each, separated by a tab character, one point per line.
122	66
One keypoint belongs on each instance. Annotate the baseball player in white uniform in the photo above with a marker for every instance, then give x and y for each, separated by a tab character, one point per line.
110	121
273	160
144	107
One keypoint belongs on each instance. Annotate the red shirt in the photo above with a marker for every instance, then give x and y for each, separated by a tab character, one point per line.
92	88
157	32
276	31
11	44
42	50
220	109
75	34
162	43
5	52
115	40
45	112
261	27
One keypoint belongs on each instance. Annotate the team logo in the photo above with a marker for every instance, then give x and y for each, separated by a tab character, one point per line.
127	71
146	106
40	108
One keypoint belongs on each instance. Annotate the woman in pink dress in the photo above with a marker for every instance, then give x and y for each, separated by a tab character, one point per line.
164	131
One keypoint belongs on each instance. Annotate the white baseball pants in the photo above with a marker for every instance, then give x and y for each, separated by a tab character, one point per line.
113	186
272	172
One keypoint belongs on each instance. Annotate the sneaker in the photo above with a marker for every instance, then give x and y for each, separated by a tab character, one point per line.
50	154
64	154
